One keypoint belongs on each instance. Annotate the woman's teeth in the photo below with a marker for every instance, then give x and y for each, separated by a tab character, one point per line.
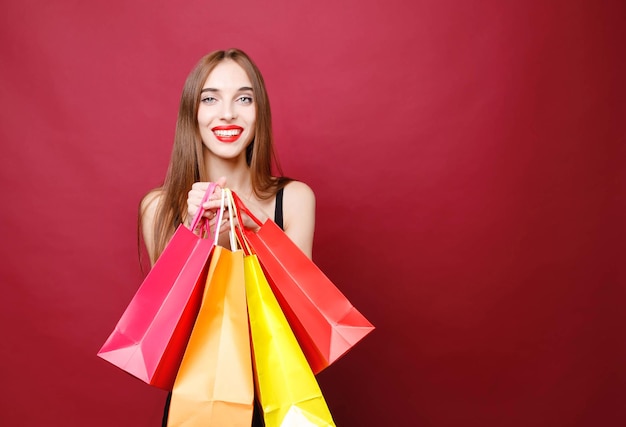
231	132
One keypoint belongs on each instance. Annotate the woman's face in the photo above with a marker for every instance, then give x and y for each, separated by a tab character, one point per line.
226	115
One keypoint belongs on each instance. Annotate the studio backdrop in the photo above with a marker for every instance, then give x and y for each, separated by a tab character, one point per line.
467	159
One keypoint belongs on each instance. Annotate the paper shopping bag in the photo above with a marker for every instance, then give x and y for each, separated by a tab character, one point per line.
150	338
325	323
286	386
214	385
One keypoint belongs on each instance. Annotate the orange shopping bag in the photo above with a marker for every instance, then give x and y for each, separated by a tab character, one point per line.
214	385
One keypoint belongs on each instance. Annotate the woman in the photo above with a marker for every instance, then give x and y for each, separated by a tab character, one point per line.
224	135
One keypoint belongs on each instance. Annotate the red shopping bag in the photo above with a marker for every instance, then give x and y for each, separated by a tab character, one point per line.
150	338
325	323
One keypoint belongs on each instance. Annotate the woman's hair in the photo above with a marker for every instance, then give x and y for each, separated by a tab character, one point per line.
187	161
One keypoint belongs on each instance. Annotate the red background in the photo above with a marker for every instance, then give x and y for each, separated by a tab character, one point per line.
468	162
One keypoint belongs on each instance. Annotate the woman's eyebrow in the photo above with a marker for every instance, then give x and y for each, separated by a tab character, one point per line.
241	89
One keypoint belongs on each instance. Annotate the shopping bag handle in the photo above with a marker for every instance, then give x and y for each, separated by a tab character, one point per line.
239	205
201	210
227	199
216	234
238	232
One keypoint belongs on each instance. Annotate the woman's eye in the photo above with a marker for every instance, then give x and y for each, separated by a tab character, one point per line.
245	100
208	100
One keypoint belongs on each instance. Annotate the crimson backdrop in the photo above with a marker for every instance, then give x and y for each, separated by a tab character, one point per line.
467	161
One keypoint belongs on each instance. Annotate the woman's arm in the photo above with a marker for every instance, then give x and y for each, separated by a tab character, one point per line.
148	210
299	215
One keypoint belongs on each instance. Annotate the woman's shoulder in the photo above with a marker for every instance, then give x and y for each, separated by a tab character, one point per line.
299	215
298	191
150	202
298	201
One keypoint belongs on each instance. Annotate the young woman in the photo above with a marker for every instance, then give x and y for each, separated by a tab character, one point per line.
224	135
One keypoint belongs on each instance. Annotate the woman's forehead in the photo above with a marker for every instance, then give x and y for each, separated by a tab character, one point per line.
227	75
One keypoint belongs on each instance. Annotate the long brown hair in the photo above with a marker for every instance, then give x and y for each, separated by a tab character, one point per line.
187	161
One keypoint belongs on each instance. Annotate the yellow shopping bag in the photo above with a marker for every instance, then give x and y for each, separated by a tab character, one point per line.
286	387
214	385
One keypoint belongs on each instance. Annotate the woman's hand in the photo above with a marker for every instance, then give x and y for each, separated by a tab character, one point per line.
211	206
299	212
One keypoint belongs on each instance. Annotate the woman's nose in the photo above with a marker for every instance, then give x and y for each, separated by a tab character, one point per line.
229	112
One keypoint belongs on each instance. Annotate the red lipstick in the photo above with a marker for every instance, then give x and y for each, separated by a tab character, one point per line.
230	133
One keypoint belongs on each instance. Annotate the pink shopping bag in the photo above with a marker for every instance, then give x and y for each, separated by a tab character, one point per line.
150	338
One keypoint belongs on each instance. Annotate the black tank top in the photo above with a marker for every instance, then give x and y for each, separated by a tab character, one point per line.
278	210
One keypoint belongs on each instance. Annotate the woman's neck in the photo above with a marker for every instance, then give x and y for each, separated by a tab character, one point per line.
236	171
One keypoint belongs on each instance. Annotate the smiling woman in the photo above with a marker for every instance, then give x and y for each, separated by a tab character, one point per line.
226	116
224	136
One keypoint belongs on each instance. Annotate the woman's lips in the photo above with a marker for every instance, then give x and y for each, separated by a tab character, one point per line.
227	133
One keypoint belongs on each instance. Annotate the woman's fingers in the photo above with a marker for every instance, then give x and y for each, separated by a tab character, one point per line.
196	195
221	182
223	227
194	199
213	205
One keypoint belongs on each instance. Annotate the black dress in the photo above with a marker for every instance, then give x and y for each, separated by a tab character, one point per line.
257	415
